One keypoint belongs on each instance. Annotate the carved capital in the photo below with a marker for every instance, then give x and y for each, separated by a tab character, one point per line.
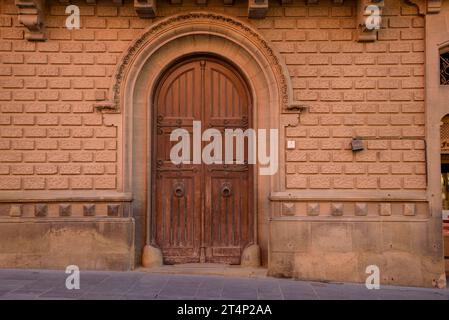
31	16
369	18
145	8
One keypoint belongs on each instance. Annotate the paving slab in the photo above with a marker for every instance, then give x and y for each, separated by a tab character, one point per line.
138	285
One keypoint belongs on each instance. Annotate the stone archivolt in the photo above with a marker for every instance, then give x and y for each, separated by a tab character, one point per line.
167	24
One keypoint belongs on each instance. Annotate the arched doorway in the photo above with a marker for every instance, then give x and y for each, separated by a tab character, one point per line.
200	212
131	100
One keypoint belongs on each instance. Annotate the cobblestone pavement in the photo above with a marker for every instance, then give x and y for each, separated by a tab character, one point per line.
50	284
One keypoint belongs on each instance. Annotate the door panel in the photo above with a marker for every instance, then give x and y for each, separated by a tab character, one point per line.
202	213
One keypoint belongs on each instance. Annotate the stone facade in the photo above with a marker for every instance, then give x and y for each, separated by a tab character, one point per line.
70	180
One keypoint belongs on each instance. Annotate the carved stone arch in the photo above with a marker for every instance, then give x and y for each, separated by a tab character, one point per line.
131	103
195	22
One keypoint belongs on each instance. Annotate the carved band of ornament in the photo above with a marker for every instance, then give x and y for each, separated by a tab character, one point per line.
426	6
263	46
31	16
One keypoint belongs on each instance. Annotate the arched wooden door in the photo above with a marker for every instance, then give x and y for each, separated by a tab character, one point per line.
201	213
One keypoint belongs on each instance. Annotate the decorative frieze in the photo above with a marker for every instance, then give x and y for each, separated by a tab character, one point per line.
41	210
337	209
409	209
89	210
361	209
366	209
65	210
288	209
15	210
313	209
113	210
385	209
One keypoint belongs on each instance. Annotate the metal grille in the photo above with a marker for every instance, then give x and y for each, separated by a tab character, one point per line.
444	133
444	68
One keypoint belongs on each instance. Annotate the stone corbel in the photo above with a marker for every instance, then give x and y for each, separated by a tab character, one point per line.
145	8
426	6
257	9
32	17
433	6
368	27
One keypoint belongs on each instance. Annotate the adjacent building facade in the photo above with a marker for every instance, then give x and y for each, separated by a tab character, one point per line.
86	116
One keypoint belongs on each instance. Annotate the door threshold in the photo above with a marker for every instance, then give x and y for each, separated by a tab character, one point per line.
214	269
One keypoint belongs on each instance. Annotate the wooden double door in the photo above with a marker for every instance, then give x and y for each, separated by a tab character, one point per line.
201	212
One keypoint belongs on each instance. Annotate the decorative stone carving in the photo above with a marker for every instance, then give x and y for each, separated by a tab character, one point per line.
65	210
385	209
288	209
113	210
313	209
361	209
41	210
145	8
337	209
257	9
89	210
368	32
31	16
409	209
15	210
281	72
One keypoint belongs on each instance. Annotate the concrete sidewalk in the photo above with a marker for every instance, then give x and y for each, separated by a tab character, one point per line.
50	284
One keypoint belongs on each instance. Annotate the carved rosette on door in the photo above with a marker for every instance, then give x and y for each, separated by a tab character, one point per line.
201	213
